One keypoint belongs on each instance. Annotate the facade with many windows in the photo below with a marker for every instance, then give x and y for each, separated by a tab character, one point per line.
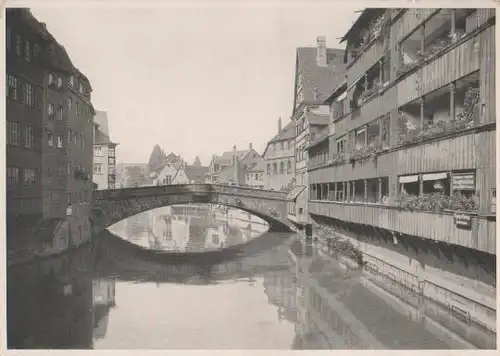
412	151
317	72
49	128
279	158
104	153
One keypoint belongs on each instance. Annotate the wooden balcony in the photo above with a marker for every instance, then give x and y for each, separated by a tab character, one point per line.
366	60
461	152
429	225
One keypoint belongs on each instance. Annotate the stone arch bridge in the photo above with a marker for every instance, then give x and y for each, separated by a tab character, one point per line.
111	206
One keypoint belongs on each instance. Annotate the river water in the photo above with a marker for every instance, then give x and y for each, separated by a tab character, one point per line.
145	285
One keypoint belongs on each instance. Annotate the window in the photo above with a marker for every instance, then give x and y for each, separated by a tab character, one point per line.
282	168
72	81
59	82
70	103
98	168
12	176
18	45
50	140
282	145
275	168
80	88
60	113
69	135
28	94
29	139
7	38
75	138
167	179
341	145
50	110
12	87
97	151
36	52
77	110
29	177
59	142
51	79
13	133
289	167
27	51
268	169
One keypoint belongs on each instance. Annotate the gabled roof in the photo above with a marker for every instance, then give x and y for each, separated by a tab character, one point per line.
101	138
287	133
318	81
363	20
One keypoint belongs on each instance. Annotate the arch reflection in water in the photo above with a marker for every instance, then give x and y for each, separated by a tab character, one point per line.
190	228
278	294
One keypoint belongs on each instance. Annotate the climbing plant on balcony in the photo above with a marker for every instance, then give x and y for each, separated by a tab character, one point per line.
437	202
368	94
364	154
338	159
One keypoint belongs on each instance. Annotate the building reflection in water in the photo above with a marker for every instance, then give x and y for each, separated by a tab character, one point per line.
103	291
337	308
317	303
190	228
49	303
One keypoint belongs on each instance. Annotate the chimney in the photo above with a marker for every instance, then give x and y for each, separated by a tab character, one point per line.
321	51
279	125
234	148
250	146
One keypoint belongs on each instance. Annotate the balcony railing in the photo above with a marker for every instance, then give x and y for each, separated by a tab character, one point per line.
436	226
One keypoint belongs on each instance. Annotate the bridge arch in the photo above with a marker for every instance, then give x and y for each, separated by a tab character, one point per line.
112	206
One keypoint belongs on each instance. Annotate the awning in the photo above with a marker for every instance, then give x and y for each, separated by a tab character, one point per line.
408	179
435	176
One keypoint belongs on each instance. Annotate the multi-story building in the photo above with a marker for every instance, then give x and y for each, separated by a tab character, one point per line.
224	169
254	177
279	158
104	153
317	72
411	159
49	136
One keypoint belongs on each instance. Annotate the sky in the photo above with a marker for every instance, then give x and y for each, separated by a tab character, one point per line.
196	81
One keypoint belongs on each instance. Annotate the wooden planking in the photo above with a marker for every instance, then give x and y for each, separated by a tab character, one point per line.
435	226
484	14
461	153
367	59
487	235
410	20
410	88
487	73
453	65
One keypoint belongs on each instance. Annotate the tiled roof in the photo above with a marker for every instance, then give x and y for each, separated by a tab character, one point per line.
286	133
101	118
319	81
101	138
318	119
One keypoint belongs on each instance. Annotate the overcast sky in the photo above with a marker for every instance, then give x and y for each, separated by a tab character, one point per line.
194	80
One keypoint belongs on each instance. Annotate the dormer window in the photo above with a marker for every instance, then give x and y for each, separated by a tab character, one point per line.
80	88
51	79
59	82
72	81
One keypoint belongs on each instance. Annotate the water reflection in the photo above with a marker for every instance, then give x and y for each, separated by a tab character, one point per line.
190	228
277	293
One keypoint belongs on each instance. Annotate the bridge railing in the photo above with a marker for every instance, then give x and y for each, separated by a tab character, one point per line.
187	188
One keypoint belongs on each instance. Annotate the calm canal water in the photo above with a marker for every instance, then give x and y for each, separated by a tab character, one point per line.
275	292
